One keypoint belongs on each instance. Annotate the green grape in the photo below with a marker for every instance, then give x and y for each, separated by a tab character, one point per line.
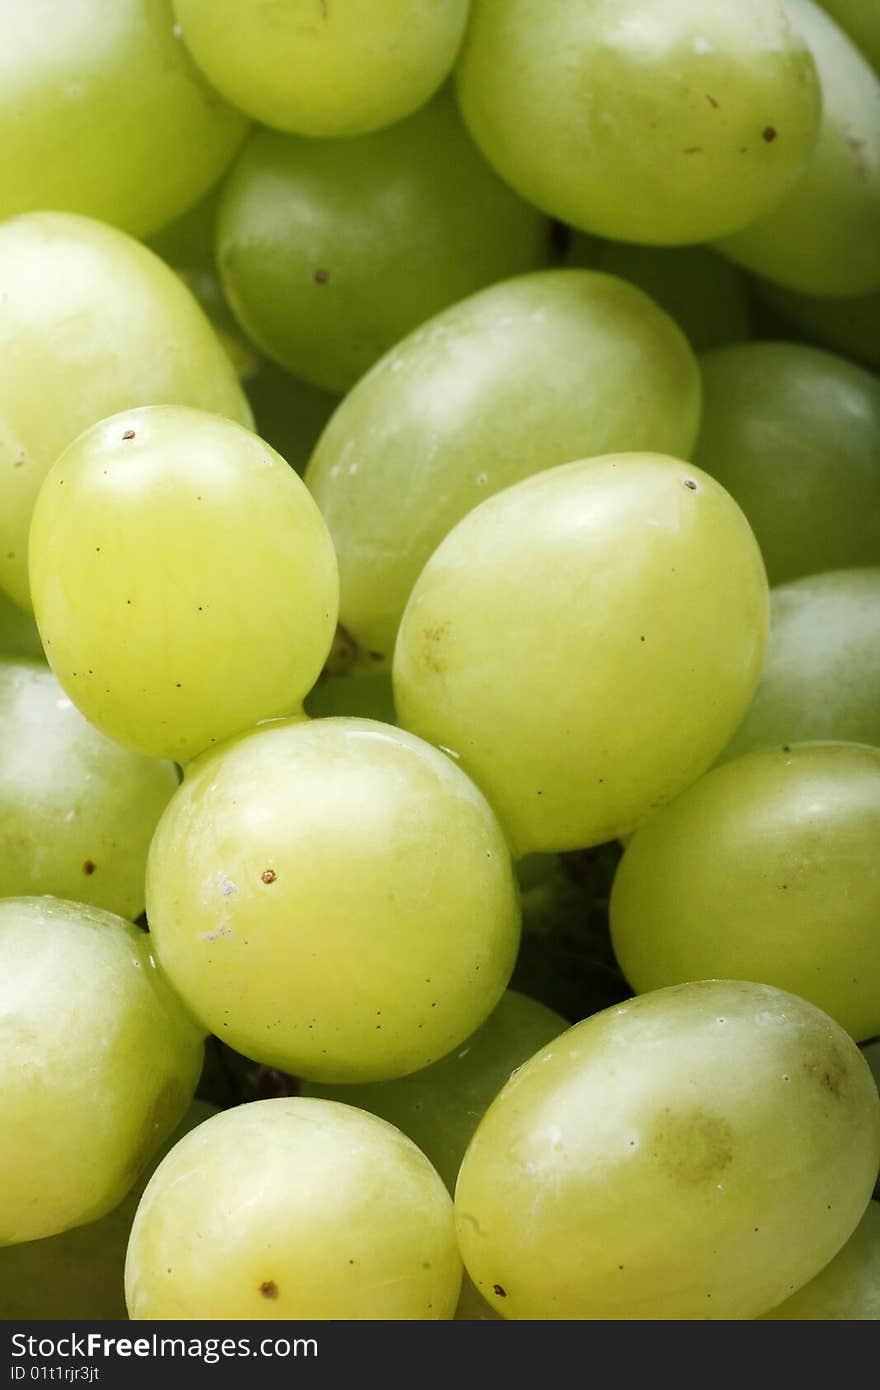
78	1275
706	295
793	433
642	120
92	323
824	238
77	812
103	112
821	676
337	1216
362	697
331	250
18	632
861	20
766	869
542	369
334	898
184	583
99	1063
324	67
847	1289
850	326
696	1153
585	643
290	414
439	1108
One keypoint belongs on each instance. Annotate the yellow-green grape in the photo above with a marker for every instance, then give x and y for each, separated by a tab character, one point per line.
861	20
99	1063
337	1215
824	238
440	1107
92	323
847	1289
850	326
331	251
18	632
706	295
362	697
103	112
324	67
184	583
79	1274
540	370
335	898
695	1153
585	643
793	433
77	811
821	676
660	121
766	869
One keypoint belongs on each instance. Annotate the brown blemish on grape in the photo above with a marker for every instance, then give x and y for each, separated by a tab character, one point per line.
88	867
858	149
129	434
497	1289
268	876
432	639
689	482
693	149
692	1146
269	1289
769	133
712	102
321	276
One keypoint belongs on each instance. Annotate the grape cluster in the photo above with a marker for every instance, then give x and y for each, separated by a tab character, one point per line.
439	659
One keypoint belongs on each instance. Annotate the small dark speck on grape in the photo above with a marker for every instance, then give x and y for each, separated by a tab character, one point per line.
268	875
712	101
496	1288
786	747
129	434
693	149
769	133
321	276
88	867
689	482
269	1289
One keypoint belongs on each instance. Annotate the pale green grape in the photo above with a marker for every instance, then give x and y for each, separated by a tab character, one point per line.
861	20
103	112
706	295
850	326
78	1275
18	632
766	869
696	1153
821	676
793	433
847	1289
363	697
331	250
99	1063
334	898
184	583
337	1215
545	368
584	644
659	121
92	323
77	811
824	238
324	67
440	1107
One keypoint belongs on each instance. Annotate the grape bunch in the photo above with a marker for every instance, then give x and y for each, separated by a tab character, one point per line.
439	659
